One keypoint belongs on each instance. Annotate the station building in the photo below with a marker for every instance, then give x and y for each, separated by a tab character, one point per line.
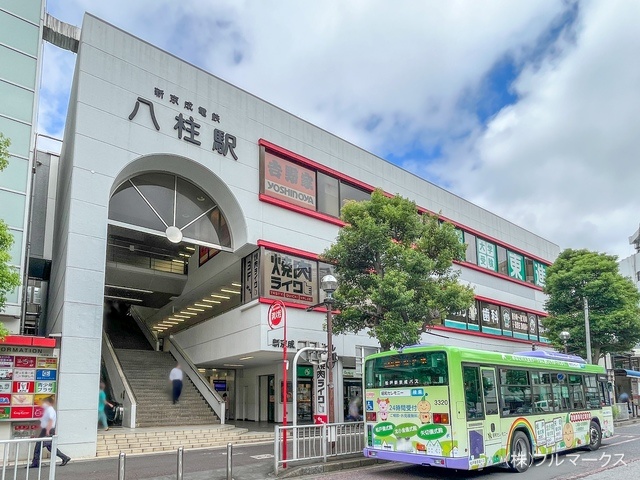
188	206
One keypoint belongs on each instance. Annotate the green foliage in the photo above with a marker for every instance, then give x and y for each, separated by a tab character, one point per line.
395	270
9	277
4	151
614	312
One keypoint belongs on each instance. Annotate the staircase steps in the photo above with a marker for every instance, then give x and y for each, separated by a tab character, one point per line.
149	440
147	372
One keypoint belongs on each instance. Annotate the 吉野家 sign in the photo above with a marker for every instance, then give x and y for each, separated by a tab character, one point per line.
289	182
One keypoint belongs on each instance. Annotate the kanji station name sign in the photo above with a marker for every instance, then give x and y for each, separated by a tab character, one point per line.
187	124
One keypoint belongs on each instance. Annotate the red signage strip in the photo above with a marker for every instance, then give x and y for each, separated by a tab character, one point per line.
290	250
26	341
330	171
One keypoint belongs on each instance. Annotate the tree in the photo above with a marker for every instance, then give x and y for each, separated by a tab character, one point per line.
395	270
614	311
9	278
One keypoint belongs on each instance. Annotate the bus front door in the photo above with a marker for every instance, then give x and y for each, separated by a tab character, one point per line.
493	441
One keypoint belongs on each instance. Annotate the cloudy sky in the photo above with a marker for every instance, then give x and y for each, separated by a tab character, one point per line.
530	109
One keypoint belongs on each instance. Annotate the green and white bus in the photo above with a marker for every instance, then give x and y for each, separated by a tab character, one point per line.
469	409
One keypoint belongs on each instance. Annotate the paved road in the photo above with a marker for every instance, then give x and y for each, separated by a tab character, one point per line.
255	462
623	448
249	463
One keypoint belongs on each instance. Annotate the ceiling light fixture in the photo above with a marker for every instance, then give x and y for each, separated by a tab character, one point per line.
181	316
120	287
232	365
225	297
211	301
176	319
228	290
236	284
195	309
190	248
114	297
245	358
177	261
202	305
191	314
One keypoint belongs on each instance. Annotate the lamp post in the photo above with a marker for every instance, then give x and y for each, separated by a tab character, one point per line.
329	284
587	328
564	336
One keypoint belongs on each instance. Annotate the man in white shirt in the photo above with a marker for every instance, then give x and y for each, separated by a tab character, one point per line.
175	377
48	429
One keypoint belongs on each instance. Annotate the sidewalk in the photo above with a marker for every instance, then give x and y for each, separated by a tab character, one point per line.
627	471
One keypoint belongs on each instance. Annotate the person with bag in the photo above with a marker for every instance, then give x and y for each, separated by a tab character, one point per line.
102	403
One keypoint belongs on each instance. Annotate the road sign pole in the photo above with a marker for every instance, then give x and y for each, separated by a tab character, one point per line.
284	388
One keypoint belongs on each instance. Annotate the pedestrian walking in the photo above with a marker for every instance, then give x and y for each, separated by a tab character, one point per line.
102	403
175	377
225	397
48	428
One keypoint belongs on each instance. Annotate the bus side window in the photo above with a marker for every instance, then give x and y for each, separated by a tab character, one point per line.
472	392
577	392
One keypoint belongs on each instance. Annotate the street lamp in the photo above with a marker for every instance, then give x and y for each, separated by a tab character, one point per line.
329	284
564	336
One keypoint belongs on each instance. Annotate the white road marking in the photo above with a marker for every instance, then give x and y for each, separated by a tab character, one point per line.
262	457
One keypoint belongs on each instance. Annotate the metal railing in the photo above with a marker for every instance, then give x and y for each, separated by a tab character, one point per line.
14	461
623	411
317	442
212	397
119	383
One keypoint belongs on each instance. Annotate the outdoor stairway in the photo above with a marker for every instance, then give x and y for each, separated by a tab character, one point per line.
148	440
148	374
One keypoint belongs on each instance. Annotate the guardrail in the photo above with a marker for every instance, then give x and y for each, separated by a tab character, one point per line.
119	383
12	461
317	442
151	337
214	400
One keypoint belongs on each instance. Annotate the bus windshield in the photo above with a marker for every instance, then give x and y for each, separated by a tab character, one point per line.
411	369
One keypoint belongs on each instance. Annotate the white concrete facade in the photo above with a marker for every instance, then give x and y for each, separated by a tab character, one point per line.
103	147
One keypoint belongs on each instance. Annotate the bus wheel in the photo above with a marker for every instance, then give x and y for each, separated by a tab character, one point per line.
520	453
595	436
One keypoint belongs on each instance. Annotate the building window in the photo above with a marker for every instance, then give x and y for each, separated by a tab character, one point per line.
349	192
470	240
502	260
528	263
328	195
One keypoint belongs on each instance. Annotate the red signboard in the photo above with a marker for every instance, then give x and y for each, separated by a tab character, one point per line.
21	413
24	387
290	182
276	314
25	362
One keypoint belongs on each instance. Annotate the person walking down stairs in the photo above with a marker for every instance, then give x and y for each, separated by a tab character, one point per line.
175	377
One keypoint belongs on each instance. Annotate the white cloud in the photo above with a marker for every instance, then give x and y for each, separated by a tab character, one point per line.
562	161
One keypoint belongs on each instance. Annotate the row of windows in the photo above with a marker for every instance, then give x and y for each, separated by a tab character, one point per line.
314	190
520	392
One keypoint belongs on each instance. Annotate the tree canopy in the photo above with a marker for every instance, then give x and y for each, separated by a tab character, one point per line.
394	268
614	311
9	277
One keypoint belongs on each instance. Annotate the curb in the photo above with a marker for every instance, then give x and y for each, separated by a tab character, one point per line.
329	467
622	423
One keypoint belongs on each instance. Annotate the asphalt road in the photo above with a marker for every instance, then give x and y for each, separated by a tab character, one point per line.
255	462
623	448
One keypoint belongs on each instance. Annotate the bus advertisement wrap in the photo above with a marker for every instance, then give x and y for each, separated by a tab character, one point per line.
470	409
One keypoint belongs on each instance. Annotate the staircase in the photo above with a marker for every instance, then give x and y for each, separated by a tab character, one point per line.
148	374
149	440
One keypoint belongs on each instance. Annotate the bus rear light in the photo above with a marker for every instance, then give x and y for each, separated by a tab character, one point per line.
440	418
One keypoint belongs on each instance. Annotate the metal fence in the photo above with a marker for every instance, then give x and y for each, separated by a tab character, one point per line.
19	452
308	443
623	411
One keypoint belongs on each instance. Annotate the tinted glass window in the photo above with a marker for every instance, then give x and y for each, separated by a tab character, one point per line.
411	369
328	195
472	392
348	192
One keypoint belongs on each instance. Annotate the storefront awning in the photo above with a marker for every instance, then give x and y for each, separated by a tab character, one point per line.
627	373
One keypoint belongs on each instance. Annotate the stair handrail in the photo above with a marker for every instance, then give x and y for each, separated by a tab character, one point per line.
148	333
212	397
119	383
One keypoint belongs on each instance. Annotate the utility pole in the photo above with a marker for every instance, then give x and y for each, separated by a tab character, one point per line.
587	329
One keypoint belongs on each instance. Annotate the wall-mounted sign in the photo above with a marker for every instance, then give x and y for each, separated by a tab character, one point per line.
289	182
251	277
539	273
515	266
321	394
487	255
290	278
187	124
25	381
